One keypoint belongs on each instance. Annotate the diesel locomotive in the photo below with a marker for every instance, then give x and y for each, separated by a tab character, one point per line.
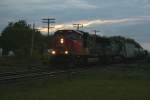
79	47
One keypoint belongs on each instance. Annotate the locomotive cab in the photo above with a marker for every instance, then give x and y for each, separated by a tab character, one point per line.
67	42
68	45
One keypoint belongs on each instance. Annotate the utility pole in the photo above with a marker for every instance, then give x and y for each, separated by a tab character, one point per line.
32	39
78	26
95	31
50	23
94	38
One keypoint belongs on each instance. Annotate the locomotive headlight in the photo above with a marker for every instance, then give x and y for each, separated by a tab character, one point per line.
53	52
66	52
61	40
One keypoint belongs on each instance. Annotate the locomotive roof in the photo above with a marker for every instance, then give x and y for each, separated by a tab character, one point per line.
70	31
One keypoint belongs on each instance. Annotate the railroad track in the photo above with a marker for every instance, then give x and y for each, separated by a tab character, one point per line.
16	76
13	77
36	73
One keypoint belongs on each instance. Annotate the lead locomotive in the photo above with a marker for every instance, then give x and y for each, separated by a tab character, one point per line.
79	47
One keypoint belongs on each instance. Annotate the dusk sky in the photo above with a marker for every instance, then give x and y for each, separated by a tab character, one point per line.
129	18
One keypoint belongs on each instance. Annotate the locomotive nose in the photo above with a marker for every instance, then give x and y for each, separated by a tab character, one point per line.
60	46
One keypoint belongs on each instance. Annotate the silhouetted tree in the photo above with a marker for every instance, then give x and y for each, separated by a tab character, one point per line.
17	37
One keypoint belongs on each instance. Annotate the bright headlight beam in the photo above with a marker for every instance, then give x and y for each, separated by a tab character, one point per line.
66	52
61	40
53	52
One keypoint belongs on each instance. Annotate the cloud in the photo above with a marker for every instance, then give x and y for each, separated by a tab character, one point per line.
96	22
111	17
146	46
80	4
49	4
116	21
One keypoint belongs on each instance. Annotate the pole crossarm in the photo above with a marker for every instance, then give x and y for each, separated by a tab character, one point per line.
78	26
50	23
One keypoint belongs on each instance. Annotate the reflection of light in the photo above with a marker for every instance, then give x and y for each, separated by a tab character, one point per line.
66	52
61	40
53	52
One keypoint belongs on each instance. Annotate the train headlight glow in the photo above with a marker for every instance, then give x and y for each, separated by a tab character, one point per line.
53	52
61	40
66	52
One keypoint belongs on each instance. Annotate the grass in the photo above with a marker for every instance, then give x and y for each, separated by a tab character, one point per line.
95	84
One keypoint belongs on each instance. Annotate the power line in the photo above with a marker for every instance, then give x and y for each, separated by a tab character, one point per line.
50	23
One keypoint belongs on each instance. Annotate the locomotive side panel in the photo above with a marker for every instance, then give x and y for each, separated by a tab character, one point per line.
80	47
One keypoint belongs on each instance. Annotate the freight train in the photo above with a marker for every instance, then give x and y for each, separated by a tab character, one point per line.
79	47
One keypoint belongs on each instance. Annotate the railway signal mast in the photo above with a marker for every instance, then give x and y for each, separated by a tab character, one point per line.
78	26
50	23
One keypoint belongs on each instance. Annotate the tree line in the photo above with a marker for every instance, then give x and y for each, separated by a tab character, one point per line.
19	38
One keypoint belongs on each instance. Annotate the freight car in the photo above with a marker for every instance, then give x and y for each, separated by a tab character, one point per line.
79	47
